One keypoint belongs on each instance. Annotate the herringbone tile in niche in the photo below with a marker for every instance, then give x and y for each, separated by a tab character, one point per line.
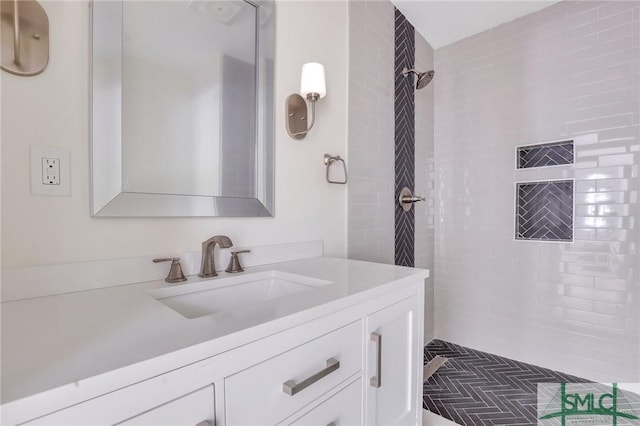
543	155
544	210
478	388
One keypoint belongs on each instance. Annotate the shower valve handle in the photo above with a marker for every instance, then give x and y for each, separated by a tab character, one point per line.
406	199
412	199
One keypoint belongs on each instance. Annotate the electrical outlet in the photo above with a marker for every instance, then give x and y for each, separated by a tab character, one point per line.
50	171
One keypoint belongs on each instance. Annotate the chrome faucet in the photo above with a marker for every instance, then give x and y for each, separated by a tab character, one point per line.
208	266
175	273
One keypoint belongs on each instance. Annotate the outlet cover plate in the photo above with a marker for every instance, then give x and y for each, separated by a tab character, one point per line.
36	154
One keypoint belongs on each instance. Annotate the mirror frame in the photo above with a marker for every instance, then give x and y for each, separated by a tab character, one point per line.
108	197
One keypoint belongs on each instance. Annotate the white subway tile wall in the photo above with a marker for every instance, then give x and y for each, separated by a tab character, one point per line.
371	201
571	71
370	223
425	178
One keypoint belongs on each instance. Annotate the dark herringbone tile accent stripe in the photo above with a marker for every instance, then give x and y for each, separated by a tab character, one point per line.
404	138
478	388
549	154
545	211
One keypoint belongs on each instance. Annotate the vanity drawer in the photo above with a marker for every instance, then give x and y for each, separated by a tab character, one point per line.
196	408
257	395
342	409
134	405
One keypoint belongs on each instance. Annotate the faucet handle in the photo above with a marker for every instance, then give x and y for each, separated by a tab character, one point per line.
175	273
234	262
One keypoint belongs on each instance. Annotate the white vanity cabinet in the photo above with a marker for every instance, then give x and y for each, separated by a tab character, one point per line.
276	388
343	408
147	403
196	408
394	350
358	363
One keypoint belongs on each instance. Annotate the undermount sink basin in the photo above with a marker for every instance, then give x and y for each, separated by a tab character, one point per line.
227	294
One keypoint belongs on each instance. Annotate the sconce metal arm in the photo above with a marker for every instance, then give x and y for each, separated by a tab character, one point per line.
16	34
29	37
312	98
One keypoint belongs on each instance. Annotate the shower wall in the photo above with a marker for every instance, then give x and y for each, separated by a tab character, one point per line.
425	178
570	71
372	199
405	136
370	222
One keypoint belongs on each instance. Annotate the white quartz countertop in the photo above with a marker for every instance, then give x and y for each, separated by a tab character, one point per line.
74	338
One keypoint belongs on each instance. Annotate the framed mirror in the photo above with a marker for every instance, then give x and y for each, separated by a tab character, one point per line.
182	108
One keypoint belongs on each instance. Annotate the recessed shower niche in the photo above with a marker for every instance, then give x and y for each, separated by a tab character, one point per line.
545	154
544	210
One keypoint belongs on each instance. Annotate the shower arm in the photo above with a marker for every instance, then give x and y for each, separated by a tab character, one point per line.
406	72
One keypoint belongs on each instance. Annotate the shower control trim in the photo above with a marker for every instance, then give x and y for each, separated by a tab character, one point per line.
407	199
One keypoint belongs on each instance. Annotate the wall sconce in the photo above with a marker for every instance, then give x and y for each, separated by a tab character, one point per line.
313	87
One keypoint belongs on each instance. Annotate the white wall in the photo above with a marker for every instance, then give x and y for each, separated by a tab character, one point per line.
568	70
52	109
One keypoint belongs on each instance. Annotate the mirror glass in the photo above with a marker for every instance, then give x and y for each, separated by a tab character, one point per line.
182	108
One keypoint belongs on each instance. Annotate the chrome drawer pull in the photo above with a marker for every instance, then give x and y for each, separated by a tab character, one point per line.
290	387
376	381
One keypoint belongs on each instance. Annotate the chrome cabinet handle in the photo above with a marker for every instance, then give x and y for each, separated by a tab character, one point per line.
205	423
290	387
376	381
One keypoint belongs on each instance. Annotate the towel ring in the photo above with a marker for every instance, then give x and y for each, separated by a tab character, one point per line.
328	160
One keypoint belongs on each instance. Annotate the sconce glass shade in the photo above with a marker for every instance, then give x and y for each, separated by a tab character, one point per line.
312	80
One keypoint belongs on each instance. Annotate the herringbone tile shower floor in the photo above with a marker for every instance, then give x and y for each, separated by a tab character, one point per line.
478	388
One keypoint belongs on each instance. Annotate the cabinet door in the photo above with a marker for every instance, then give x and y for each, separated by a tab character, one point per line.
393	364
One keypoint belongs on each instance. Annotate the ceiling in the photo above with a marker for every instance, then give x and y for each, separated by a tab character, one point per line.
444	22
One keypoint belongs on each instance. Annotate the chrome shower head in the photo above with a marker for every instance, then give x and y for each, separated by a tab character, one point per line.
424	78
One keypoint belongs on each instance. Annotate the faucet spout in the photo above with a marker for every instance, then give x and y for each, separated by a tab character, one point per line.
208	266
